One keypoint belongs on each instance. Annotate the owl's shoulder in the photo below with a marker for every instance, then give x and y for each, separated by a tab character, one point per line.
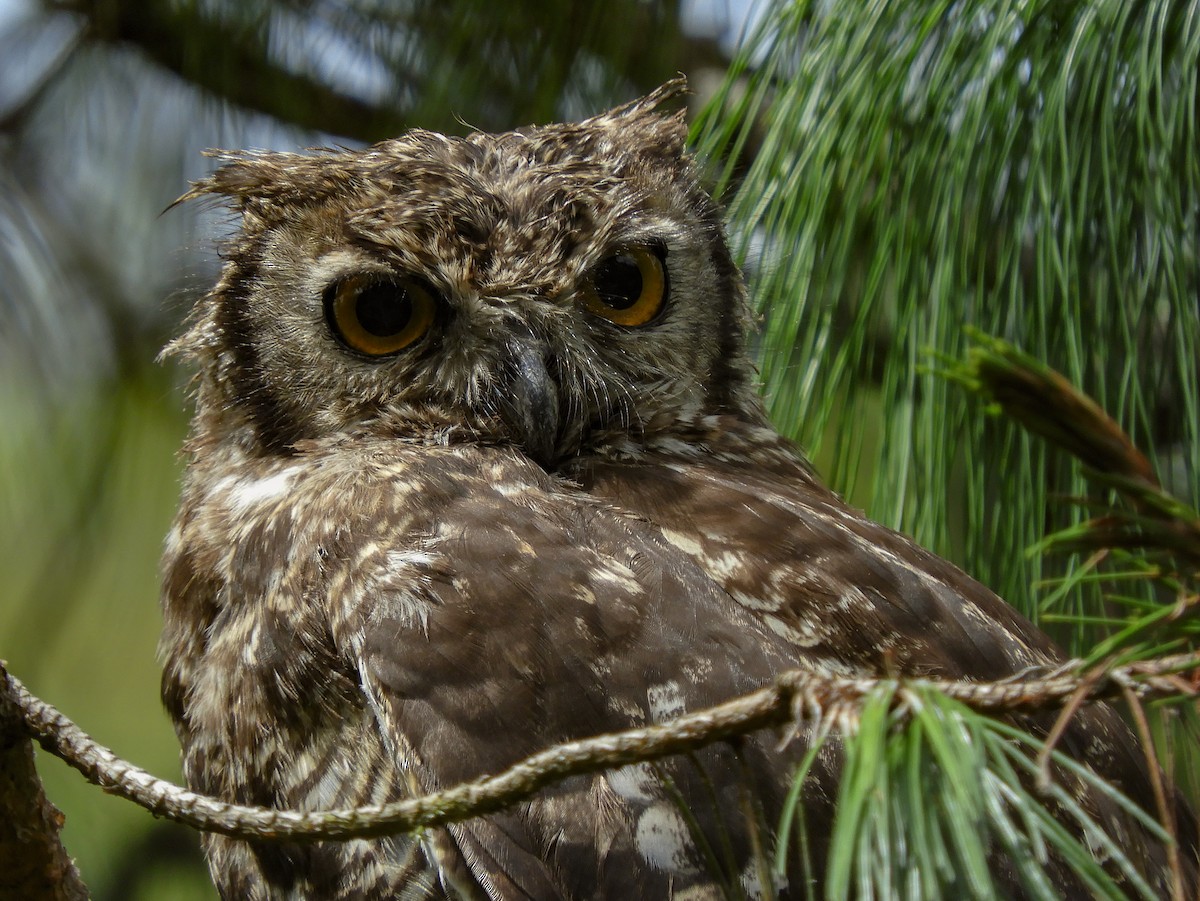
742	503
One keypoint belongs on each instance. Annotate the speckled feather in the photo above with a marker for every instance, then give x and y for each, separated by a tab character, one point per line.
371	590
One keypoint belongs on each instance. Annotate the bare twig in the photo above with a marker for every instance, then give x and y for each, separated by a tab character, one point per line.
1166	812
1069	709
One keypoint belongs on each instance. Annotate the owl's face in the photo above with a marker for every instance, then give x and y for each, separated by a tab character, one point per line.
554	288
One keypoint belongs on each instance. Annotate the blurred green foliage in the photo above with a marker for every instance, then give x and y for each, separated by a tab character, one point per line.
87	495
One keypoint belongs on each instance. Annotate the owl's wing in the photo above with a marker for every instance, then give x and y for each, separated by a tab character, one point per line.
497	612
818	572
860	596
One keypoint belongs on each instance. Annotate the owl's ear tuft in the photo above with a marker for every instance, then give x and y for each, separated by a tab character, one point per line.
671	90
253	181
664	130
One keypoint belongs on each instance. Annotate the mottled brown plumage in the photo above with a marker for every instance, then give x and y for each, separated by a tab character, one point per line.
531	522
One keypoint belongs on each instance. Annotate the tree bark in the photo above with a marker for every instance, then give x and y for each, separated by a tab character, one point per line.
34	865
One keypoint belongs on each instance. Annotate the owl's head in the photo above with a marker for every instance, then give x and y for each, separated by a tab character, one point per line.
555	287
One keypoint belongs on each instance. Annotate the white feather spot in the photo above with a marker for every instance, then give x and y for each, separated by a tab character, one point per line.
751	602
617	574
685	543
583	593
250	648
365	553
173	544
852	598
722	566
666	701
785	631
623	706
663	839
405	559
245	493
805	631
635	782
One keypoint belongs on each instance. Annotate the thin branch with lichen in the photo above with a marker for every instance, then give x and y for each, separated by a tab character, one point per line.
793	699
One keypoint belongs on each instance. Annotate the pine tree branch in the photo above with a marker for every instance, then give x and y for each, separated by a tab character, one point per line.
1045	402
234	63
795	698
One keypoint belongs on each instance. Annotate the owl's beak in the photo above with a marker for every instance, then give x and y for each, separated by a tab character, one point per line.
530	405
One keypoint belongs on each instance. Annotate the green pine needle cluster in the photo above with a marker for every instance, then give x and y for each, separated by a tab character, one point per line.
932	791
904	181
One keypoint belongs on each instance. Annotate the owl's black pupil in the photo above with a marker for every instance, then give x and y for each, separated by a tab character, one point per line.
383	309
618	282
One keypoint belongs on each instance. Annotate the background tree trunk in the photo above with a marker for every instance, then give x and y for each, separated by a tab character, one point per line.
34	865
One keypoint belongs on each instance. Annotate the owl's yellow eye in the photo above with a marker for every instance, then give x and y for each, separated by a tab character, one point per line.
379	316
629	288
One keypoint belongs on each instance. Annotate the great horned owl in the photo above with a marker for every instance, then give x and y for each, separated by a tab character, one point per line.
478	466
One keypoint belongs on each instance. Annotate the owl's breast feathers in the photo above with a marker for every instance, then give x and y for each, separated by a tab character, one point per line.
434	614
